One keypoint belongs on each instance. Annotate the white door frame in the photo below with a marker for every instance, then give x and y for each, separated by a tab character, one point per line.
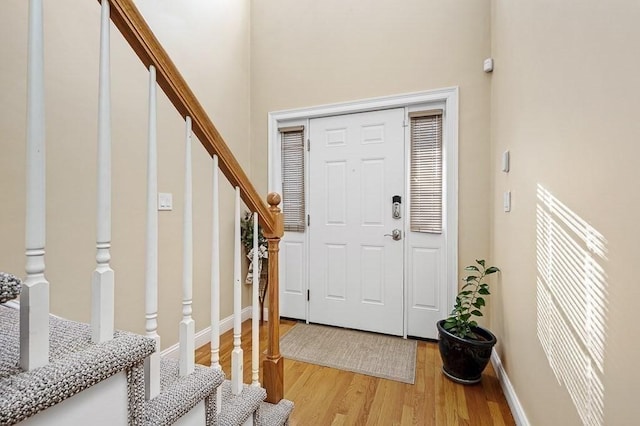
448	96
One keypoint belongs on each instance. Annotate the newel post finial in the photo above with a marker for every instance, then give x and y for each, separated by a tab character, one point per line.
274	199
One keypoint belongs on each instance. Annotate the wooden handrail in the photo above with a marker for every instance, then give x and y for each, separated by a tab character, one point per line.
136	31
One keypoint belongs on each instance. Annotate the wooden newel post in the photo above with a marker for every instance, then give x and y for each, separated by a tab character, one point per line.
273	372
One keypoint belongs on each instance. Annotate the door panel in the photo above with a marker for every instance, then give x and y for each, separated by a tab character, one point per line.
336	266
335	192
293	261
425	268
372	274
426	281
373	201
294	272
356	272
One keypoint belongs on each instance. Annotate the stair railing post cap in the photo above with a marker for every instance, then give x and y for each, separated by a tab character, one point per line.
274	199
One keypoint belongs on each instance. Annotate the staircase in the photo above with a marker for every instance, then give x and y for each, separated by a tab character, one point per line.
56	371
76	365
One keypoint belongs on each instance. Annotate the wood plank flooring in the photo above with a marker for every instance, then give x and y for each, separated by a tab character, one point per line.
326	396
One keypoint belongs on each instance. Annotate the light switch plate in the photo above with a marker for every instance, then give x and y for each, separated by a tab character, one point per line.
165	201
505	161
507	201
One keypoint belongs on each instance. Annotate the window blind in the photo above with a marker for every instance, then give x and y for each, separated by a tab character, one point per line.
426	172
293	205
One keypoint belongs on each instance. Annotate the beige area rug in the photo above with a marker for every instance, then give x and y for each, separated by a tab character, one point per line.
372	354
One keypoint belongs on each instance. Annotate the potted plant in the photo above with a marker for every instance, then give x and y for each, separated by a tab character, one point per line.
465	347
246	236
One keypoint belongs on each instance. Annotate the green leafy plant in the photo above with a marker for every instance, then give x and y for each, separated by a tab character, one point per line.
246	232
470	301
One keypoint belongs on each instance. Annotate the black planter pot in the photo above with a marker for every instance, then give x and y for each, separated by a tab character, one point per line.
464	359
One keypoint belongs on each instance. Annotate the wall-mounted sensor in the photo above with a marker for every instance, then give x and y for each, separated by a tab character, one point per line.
505	161
488	65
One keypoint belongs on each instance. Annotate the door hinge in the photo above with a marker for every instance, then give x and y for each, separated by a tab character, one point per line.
308	220
308	294
308	145
404	123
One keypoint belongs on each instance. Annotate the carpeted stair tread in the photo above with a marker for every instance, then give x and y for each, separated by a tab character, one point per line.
274	414
179	394
76	364
236	409
65	337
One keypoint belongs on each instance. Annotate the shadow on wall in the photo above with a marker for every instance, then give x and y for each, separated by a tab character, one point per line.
572	303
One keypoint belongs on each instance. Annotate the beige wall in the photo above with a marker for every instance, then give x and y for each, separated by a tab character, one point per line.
209	41
337	51
565	102
563	99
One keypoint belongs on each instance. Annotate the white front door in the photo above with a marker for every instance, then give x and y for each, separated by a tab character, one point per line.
355	266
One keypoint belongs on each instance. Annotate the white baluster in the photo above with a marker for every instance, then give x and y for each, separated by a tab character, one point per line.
152	363
102	285
215	280
187	325
236	355
255	314
34	301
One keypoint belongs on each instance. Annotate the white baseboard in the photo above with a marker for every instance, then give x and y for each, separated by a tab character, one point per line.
204	336
509	392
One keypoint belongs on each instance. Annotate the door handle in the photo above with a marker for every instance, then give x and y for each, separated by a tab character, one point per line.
396	234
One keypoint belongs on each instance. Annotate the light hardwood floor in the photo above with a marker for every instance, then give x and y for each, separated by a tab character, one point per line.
326	396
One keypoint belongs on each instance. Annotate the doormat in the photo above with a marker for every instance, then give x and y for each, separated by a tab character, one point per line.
377	355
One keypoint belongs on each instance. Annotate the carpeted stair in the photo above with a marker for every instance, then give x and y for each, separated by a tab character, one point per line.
77	364
236	409
274	414
178	394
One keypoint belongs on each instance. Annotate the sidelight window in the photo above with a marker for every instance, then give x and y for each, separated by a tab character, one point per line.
426	171
293	205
